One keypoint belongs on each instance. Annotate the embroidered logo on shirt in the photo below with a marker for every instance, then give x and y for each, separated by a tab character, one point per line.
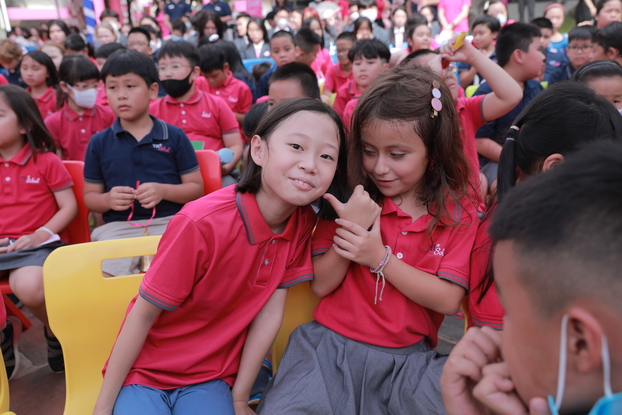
206	114
232	99
161	147
32	180
436	249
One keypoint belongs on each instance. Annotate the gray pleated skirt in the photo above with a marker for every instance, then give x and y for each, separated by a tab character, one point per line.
25	257
323	373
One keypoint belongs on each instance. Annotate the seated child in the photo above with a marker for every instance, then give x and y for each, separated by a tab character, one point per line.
519	54
222	83
485	31
140	171
605	78
292	80
206	119
10	54
369	58
39	73
562	335
283	50
554	59
37	204
307	46
79	117
418	36
101	55
608	43
578	52
342	71
258	233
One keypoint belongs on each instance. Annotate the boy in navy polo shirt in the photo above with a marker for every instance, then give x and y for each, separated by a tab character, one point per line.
175	9
578	54
141	171
220	7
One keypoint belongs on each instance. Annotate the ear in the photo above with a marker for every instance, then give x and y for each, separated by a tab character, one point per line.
584	341
612	53
298	51
196	72
518	56
385	66
63	87
225	67
552	161
258	150
153	91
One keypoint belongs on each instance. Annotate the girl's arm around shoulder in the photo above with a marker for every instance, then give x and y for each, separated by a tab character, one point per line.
126	349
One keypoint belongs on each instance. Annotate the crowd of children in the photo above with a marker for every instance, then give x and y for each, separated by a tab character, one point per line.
371	153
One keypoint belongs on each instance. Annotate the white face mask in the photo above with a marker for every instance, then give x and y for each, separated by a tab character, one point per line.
371	14
502	18
354	16
84	99
282	24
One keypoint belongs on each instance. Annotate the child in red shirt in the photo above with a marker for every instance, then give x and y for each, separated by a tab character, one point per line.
384	291
79	117
37	204
101	55
39	73
191	334
342	72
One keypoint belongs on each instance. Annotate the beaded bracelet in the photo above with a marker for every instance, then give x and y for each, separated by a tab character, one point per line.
379	272
43	228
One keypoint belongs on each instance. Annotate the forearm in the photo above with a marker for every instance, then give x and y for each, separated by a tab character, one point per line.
329	270
466	77
62	218
97	202
488	148
237	155
503	86
463	14
182	193
441	18
225	19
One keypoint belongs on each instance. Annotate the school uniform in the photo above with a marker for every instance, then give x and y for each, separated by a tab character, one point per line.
236	94
240	43
263	86
72	132
217	265
560	46
177	10
3	80
335	78
369	349
322	64
204	118
554	61
345	94
349	110
252	51
219	6
562	73
471	113
14	78
46	102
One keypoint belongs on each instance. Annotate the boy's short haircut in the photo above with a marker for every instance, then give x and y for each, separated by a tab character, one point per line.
610	36
284	33
366	4
150	29
259	70
347	36
9	50
142	31
179	24
492	23
306	39
253	118
109	13
212	58
75	42
243	14
542	23
126	61
270	15
581	33
566	229
514	36
299	72
104	51
370	49
182	49
413	56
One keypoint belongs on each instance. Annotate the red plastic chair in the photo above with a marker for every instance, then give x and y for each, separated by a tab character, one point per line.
209	163
78	231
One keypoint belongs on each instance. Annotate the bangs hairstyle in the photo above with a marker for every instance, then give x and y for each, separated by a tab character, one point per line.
126	61
180	49
581	33
28	115
204	16
212	58
46	61
73	69
491	22
284	33
251	180
359	22
370	49
301	73
104	51
260	23
390	98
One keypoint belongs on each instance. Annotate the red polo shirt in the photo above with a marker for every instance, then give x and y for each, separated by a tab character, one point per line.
102	97
217	265
203	117
27	186
322	64
3	80
335	78
397	321
471	115
233	91
345	94
72	132
348	111
46	102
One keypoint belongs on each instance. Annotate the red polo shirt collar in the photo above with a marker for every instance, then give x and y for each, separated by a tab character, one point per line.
257	230
421	224
45	97
72	115
194	98
228	80
21	157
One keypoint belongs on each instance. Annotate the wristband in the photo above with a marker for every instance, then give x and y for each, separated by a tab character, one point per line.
379	272
43	228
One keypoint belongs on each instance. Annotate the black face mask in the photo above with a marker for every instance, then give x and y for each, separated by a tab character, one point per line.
177	87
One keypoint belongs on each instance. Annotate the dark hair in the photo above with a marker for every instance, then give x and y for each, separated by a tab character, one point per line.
306	39
104	51
28	115
204	16
601	4
415	19
62	25
566	230
358	22
307	23
410	30
251	181
158	31
73	69
212	58
491	2
150	29
514	36
242	15
284	33
597	69
179	24
142	30
542	23
370	49
270	15
581	33
46	61
412	56
610	36
126	61
347	36
259	22
300	72
75	42
109	13
253	118
260	69
233	58
389	98
366	4
491	22
180	49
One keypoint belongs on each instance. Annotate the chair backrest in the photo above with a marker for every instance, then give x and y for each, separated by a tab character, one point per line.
86	310
209	163
250	63
299	307
78	230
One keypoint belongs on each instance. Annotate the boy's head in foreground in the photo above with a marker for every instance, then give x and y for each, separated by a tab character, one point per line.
369	58
519	51
292	80
559	238
131	82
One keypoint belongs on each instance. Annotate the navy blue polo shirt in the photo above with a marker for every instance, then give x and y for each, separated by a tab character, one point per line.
114	158
177	10
562	73
219	7
14	78
554	60
263	86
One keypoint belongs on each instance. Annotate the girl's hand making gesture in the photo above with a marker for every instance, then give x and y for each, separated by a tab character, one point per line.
359	209
355	243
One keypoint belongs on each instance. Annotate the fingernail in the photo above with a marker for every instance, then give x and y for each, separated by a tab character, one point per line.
337	220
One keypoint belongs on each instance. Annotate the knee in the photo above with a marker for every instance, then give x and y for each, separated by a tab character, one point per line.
27	284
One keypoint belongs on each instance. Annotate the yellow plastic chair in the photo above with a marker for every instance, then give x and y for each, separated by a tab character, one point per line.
86	310
4	389
299	307
470	90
